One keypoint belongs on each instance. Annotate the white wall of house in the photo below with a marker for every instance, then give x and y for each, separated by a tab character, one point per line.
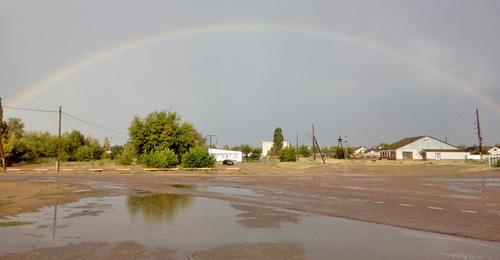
447	155
424	143
478	157
221	155
494	151
267	145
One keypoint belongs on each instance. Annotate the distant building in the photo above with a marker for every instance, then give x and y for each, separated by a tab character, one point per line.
422	148
360	150
221	155
267	145
494	151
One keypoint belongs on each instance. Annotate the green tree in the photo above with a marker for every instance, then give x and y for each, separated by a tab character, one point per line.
163	130
277	142
16	127
255	154
198	158
304	151
70	142
160	159
288	155
115	151
127	155
3	135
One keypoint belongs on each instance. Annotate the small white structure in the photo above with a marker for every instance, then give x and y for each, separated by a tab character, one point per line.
361	150
221	155
494	151
267	145
422	148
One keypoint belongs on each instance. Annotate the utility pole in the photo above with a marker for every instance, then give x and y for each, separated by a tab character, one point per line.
340	146
346	148
313	138
58	164
479	137
3	130
210	138
297	148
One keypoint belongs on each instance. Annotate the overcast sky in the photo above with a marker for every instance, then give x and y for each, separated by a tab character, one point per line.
241	84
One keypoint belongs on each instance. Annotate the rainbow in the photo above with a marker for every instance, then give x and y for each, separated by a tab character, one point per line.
85	61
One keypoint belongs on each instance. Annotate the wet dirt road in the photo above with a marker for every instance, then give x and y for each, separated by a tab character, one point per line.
281	216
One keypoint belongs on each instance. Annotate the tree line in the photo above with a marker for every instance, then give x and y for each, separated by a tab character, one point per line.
161	139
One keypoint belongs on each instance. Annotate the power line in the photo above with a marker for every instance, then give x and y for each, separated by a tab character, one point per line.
32	109
94	124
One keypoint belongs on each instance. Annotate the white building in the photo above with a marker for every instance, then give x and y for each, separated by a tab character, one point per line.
360	150
221	155
422	148
494	151
267	145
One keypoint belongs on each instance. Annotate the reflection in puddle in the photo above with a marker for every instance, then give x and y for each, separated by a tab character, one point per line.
215	189
157	207
211	228
264	217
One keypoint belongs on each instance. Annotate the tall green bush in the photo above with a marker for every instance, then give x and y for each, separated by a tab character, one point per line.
127	155
160	159
288	155
198	158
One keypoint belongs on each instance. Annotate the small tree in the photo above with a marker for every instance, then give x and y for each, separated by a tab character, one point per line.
288	155
198	158
277	142
256	153
3	135
304	151
160	159
126	157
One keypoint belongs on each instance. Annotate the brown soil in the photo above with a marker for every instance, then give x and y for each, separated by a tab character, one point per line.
24	195
457	198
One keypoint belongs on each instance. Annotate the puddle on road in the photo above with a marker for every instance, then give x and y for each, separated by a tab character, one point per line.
209	226
215	189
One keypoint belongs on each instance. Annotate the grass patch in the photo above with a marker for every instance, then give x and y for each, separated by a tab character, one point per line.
14	223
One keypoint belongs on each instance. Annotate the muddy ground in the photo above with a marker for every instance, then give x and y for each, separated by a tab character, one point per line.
455	199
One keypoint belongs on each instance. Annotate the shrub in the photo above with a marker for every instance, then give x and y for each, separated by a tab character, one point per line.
126	157
160	159
88	153
288	155
198	158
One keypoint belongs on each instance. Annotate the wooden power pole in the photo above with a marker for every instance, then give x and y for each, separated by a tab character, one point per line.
3	130
316	144
479	137
313	144
210	138
58	163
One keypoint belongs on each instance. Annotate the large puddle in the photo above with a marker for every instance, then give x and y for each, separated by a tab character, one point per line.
191	225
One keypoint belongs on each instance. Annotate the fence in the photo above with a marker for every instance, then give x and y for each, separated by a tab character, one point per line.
494	161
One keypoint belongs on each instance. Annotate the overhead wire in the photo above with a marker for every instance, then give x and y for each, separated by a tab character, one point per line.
94	124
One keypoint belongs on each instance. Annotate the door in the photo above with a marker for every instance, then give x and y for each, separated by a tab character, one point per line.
438	156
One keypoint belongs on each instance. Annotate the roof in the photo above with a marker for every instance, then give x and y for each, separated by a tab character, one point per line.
222	151
445	150
410	140
403	142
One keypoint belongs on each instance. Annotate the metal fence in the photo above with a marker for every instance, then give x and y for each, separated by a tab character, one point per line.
494	161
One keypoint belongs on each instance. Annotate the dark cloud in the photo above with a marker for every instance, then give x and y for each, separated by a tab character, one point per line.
243	84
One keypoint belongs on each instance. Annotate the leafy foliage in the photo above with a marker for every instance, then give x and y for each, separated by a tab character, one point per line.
277	142
288	155
160	159
304	151
127	155
163	131
198	158
88	153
